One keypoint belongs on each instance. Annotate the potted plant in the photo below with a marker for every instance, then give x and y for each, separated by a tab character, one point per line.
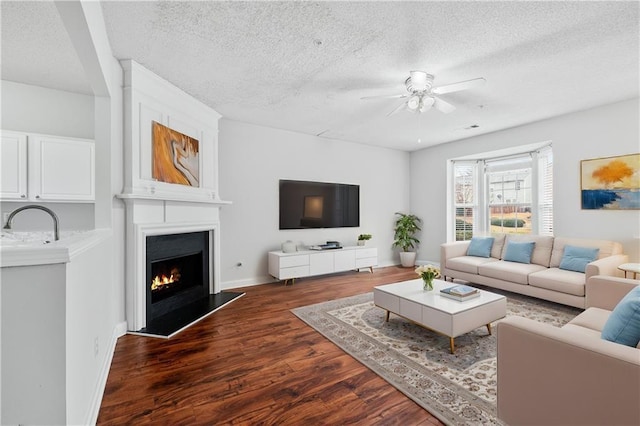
362	238
405	229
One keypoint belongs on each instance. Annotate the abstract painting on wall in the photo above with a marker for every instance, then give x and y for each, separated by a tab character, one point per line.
175	157
611	183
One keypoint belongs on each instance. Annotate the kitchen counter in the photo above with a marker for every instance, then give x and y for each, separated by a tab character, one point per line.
39	248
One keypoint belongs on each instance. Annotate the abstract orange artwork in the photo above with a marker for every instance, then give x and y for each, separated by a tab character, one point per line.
175	157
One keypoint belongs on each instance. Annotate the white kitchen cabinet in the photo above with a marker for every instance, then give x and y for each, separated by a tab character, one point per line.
47	168
289	266
13	185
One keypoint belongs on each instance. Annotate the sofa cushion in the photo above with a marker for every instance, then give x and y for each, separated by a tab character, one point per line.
592	319
541	251
468	264
480	246
569	282
623	325
509	271
518	252
607	248
576	258
498	245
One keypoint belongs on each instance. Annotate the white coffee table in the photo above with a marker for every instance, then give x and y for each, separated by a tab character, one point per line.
435	312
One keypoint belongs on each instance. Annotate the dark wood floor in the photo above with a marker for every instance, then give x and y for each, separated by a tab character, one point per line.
254	362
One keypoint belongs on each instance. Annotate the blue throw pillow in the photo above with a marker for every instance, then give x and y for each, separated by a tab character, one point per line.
576	258
480	247
623	325
519	252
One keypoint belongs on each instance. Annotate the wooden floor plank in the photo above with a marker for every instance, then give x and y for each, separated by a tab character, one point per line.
254	362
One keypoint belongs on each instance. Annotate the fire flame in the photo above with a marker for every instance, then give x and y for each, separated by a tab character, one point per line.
160	281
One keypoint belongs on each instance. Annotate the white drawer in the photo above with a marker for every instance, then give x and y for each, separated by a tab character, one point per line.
370	252
366	262
411	310
386	301
298	260
294	272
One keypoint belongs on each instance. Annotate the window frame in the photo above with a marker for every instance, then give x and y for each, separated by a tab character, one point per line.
540	163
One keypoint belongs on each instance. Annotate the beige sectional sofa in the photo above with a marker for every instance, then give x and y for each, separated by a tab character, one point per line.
569	375
542	278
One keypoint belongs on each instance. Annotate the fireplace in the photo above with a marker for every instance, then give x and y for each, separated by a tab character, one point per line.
177	271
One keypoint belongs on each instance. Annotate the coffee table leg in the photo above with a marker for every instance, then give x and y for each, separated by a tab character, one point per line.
387	319
451	345
489	328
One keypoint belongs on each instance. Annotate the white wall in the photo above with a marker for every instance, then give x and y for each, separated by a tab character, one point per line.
33	345
599	132
252	161
37	109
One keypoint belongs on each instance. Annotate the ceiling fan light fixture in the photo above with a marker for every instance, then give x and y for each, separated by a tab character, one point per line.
413	103
418	81
425	103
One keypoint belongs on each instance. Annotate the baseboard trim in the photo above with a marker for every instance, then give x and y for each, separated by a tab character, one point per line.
248	282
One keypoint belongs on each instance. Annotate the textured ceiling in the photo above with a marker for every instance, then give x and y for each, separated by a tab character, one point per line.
36	48
304	66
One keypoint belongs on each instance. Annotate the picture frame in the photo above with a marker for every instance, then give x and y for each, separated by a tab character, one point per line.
175	157
610	183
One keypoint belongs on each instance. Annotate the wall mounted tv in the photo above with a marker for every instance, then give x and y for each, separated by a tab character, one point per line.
306	205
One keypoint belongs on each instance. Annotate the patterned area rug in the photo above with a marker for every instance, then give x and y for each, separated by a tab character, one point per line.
460	388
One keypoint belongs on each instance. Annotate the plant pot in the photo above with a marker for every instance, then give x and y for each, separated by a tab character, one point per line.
361	242
408	258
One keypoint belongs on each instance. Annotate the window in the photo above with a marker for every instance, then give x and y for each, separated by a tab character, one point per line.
464	196
511	194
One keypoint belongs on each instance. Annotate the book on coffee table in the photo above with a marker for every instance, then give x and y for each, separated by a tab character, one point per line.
460	298
460	292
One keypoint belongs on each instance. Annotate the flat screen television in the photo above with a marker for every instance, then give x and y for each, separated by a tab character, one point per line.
306	205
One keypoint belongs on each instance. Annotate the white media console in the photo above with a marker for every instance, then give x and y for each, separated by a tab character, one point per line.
307	263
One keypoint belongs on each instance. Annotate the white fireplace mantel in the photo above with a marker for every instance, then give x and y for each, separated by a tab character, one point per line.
160	208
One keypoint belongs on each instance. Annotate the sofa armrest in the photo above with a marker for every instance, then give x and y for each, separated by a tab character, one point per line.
606	266
451	250
605	292
549	375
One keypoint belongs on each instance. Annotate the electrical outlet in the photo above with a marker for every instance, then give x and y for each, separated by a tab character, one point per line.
96	347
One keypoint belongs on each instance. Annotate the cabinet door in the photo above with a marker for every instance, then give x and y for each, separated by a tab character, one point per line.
13	185
345	260
321	263
61	169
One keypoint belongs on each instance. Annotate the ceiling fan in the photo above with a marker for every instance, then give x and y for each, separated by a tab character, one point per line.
422	95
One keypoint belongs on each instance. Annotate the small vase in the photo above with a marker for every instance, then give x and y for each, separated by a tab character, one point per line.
289	247
427	285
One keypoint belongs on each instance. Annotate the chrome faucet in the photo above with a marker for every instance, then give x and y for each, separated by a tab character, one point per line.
56	234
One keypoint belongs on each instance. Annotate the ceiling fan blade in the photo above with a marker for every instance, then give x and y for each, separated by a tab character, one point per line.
384	97
461	85
397	109
442	106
